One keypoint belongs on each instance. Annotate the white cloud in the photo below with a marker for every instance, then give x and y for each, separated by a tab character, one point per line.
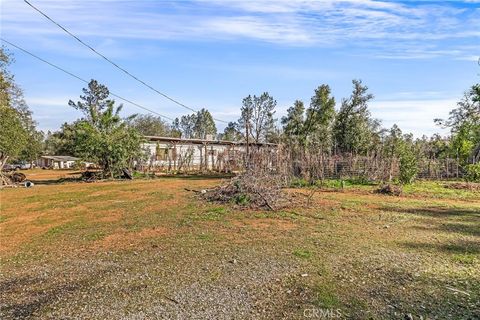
48	102
413	116
469	58
251	27
297	22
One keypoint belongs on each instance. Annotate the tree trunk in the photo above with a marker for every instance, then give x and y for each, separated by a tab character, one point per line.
3	178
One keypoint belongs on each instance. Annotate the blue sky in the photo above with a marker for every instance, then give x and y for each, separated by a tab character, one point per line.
417	57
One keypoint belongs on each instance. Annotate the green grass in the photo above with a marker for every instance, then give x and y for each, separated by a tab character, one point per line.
326	296
420	188
436	189
70	228
302	253
211	214
95	235
465	258
331	183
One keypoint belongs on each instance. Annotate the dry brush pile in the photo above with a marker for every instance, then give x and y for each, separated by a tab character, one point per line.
252	190
12	179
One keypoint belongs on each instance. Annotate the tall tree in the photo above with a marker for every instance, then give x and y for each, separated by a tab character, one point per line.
13	136
392	146
393	141
10	93
185	125
294	120
18	133
354	128
149	125
257	117
94	102
34	147
231	132
62	142
293	124
204	125
464	123
196	125
408	160
320	119
103	136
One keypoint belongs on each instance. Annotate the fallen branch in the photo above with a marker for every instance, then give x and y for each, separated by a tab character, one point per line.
458	291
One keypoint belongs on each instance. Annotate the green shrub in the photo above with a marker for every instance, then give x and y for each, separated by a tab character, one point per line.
472	172
78	165
408	167
299	183
242	199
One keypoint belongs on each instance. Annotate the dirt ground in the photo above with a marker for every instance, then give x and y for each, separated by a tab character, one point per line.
149	249
45	176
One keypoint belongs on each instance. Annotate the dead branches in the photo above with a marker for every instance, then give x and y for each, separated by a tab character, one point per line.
17	177
389	189
12	178
251	190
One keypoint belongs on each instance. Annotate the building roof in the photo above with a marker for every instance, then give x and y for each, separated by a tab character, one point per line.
60	158
203	141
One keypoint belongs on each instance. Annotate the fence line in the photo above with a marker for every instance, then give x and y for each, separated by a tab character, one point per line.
308	165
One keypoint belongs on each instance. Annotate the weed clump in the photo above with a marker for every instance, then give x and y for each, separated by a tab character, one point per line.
389	189
472	186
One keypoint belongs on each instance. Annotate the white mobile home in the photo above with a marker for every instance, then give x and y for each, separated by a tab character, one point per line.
179	154
56	162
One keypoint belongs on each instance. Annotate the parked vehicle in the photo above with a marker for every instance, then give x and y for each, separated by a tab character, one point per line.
25	165
17	166
11	167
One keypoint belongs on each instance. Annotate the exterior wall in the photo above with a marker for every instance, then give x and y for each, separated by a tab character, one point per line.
44	163
185	156
55	164
66	164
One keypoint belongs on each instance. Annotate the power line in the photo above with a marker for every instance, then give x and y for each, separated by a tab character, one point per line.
83	80
115	64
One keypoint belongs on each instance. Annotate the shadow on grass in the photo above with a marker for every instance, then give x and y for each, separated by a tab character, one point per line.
404	290
197	176
451	248
472	229
68	177
170	176
437	212
56	181
39	298
468	229
465	221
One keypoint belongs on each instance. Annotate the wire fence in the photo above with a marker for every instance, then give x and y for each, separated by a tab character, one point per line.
282	160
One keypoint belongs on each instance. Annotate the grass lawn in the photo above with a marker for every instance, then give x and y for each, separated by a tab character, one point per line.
148	249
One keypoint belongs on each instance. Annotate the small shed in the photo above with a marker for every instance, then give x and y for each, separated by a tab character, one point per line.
57	162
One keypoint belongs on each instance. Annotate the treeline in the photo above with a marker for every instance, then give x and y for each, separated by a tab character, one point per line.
319	130
309	133
19	137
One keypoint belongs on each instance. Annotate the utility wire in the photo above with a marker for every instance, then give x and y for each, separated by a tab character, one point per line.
83	80
115	64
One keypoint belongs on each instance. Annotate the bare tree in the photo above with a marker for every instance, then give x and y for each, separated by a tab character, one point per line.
257	117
